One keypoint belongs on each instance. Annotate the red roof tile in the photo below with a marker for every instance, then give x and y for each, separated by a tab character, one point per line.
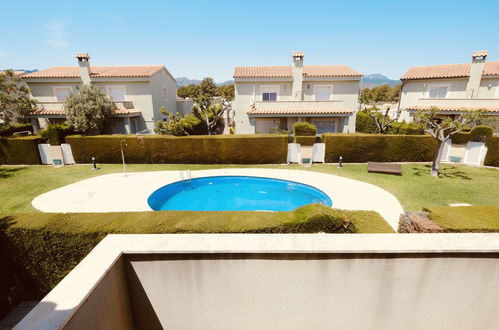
97	71
448	71
284	71
428	107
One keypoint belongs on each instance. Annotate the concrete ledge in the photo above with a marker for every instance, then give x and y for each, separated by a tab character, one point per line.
64	302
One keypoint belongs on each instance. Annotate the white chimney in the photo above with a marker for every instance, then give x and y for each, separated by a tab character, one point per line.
478	59
297	72
84	63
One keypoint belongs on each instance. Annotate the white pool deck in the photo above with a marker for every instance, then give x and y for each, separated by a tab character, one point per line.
118	193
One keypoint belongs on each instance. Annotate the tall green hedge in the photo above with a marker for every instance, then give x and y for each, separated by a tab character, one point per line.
478	133
218	149
361	148
20	151
492	157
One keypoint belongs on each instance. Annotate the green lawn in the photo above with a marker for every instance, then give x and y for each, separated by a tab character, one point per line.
415	189
466	218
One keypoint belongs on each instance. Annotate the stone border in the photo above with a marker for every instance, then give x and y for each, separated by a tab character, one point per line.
116	193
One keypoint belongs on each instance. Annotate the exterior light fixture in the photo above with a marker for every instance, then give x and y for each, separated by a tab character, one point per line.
340	164
94	164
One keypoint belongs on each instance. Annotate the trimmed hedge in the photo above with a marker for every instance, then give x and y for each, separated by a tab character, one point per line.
478	133
11	129
217	149
20	151
303	128
46	246
492	157
305	140
55	134
466	219
361	148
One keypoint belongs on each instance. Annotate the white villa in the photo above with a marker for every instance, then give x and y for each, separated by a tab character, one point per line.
278	96
453	88
138	91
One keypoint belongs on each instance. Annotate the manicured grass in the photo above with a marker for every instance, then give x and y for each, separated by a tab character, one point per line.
466	218
415	189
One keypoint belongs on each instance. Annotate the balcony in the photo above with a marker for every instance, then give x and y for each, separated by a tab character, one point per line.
456	104
283	281
56	109
299	108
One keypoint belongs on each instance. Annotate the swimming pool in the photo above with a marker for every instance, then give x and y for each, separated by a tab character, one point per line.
235	193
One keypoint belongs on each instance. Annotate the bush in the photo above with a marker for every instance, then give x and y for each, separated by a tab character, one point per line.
217	149
303	128
364	123
46	246
492	157
404	128
55	134
8	130
361	148
20	151
305	140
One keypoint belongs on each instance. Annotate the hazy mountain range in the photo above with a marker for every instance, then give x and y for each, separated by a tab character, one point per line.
368	81
376	79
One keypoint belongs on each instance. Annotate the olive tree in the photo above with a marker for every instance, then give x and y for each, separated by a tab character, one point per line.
176	124
15	100
444	128
210	111
89	109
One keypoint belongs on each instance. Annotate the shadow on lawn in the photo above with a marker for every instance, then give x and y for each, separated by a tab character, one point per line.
451	172
10	171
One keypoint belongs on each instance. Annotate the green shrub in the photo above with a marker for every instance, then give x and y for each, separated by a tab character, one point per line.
55	134
477	134
216	149
361	148
305	140
20	150
404	128
492	157
304	128
8	130
364	123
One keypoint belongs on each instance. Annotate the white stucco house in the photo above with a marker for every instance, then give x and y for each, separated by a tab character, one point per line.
278	96
138	91
453	88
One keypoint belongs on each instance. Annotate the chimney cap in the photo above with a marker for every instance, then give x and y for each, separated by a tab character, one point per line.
298	54
480	53
81	56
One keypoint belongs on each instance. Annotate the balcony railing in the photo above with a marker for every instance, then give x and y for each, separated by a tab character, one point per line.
460	103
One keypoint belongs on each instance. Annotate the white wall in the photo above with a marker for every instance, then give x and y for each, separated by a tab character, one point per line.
158	82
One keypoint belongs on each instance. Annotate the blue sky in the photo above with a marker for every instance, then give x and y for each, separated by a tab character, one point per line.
208	38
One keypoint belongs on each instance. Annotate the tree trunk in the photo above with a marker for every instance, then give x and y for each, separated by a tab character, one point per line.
435	166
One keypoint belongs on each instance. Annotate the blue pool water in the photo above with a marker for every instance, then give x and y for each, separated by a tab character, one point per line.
235	193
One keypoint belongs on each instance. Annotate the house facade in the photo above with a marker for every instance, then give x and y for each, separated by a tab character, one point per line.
139	92
278	96
453	88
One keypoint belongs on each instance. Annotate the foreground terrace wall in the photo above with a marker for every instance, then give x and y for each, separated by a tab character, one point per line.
386	281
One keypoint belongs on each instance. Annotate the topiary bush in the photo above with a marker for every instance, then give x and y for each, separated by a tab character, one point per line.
303	128
364	123
215	149
55	134
305	140
20	150
404	128
361	148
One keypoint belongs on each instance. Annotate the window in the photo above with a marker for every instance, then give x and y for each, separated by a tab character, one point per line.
116	93
325	125
437	91
165	93
269	93
61	93
322	93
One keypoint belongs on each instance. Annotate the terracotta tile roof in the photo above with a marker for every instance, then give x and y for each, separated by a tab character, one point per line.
57	109
284	71
448	71
428	107
290	108
480	53
97	71
298	54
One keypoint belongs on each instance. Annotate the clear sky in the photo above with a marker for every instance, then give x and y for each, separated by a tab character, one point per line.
204	38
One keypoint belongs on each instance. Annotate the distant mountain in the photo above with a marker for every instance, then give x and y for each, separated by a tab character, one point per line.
20	70
376	79
184	81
